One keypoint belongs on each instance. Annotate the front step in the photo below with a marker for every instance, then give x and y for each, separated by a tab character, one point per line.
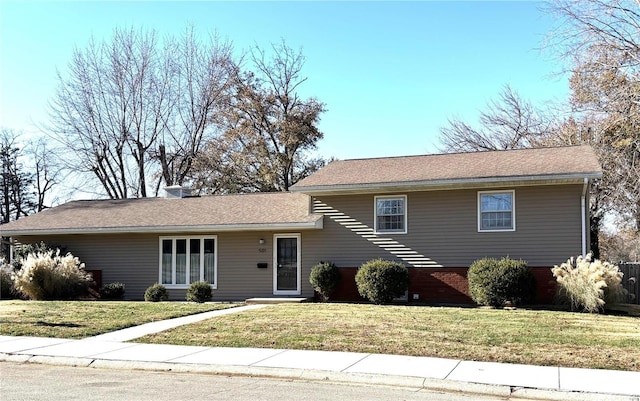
267	301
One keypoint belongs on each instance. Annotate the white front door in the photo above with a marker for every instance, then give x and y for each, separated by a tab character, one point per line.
286	264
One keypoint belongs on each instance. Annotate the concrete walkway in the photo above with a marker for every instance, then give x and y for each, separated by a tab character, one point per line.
510	381
132	333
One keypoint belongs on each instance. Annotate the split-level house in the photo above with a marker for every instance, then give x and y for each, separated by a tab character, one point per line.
436	214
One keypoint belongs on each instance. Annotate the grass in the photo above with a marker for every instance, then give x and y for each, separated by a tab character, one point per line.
538	337
80	319
513	336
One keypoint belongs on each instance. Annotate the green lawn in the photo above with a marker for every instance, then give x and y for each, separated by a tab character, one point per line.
515	336
80	319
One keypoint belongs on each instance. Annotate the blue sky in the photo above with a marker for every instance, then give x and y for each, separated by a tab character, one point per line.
390	73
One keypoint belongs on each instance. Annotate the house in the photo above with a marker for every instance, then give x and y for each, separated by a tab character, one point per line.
436	214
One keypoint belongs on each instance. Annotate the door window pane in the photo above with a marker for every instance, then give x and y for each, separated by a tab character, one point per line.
287	275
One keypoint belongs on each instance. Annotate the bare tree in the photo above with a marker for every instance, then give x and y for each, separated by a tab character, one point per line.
270	130
17	198
623	245
589	27
16	192
202	86
600	40
108	112
134	112
214	172
46	170
509	122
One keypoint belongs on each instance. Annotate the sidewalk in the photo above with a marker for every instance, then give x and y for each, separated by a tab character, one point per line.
132	333
506	380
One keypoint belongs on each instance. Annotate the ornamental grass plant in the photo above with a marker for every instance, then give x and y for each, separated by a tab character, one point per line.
51	276
588	285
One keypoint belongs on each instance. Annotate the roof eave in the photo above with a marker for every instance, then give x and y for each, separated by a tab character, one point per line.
316	224
448	184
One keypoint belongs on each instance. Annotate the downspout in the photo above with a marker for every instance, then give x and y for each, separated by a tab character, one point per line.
583	210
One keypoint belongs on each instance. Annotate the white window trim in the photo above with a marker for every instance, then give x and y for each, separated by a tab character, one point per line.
173	260
298	238
375	214
513	211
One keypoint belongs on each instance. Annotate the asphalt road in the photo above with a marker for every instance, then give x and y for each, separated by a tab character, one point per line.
21	382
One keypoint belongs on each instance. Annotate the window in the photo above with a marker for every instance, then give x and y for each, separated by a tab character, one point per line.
391	214
187	259
496	211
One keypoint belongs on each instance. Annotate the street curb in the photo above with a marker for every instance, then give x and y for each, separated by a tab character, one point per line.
551	395
419	383
14	358
60	360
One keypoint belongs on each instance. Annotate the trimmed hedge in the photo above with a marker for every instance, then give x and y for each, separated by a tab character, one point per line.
199	291
494	282
112	292
380	281
156	293
324	277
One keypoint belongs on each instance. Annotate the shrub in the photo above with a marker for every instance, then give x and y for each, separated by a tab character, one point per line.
7	289
112	291
494	282
380	281
199	291
587	285
324	277
156	293
48	276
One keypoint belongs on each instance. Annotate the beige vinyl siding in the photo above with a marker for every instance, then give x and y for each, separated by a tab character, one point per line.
133	259
443	226
238	275
337	244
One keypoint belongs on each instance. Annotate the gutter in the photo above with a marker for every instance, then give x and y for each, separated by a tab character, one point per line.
293	226
423	185
583	211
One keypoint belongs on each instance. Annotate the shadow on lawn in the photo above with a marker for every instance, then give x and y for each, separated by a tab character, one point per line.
623	309
47	324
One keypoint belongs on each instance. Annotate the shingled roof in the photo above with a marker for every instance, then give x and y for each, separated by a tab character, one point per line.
560	164
260	211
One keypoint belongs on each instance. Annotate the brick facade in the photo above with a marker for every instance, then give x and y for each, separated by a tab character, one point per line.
440	285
